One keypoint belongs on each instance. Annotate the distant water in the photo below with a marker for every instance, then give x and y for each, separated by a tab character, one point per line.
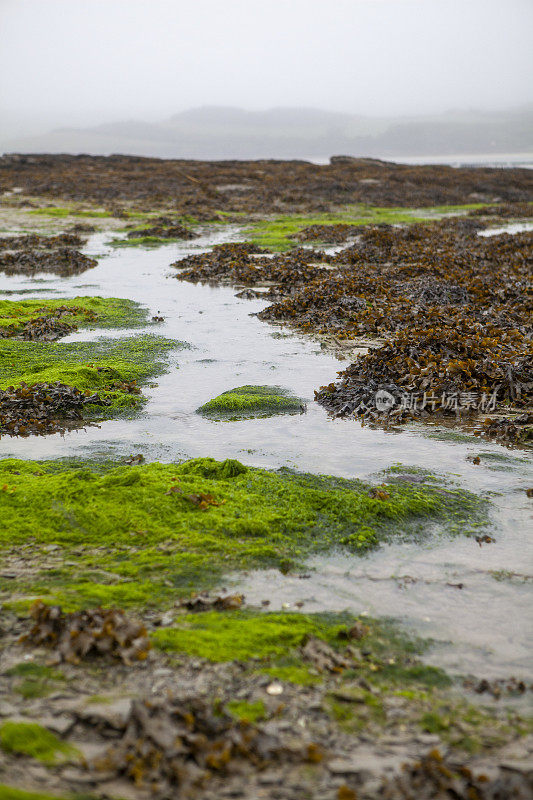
502	160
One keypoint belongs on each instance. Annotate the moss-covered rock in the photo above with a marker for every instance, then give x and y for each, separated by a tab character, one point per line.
31	739
246	402
142	534
87	312
112	367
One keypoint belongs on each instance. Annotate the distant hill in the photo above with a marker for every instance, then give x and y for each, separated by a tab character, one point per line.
217	132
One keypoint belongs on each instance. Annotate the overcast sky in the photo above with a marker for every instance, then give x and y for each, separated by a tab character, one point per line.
87	61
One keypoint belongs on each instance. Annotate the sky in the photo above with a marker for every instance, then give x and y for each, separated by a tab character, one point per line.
91	61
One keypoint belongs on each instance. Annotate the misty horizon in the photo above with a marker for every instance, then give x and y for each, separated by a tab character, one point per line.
84	64
226	132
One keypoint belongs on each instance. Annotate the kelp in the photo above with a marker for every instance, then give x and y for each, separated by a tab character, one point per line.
197	188
177	743
35	240
62	261
79	635
332	233
169	231
434	776
44	408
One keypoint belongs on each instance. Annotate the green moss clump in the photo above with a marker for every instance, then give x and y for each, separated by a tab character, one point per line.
98	366
245	402
12	793
247	712
245	635
94	312
152	530
144	241
297	673
31	739
58	211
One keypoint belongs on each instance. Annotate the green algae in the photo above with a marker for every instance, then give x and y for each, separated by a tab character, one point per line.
31	739
146	533
12	793
247	712
102	366
247	634
91	312
275	232
273	639
144	241
246	402
387	671
37	680
61	211
440	711
299	674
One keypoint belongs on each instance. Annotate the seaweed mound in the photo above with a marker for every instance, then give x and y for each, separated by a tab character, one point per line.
246	402
76	635
43	408
62	261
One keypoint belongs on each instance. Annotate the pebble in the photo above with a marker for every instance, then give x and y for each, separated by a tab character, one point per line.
274	688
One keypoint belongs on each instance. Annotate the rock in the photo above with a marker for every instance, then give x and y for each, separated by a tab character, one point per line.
365	764
525	767
113	714
60	724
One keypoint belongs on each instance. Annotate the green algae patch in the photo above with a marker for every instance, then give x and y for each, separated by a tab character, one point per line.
272	641
87	312
36	680
61	211
144	241
111	367
12	793
143	534
247	634
31	739
247	712
275	232
246	402
383	683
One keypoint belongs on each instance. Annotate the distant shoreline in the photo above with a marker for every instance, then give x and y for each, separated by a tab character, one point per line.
469	160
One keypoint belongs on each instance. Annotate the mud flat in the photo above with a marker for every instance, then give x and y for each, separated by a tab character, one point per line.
224	571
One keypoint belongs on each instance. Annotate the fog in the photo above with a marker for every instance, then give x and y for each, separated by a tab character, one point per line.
72	62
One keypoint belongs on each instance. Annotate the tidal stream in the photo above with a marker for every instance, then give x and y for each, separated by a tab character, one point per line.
484	627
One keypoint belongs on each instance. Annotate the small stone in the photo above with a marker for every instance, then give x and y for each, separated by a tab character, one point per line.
274	689
525	767
428	738
113	714
269	778
7	710
60	724
162	672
